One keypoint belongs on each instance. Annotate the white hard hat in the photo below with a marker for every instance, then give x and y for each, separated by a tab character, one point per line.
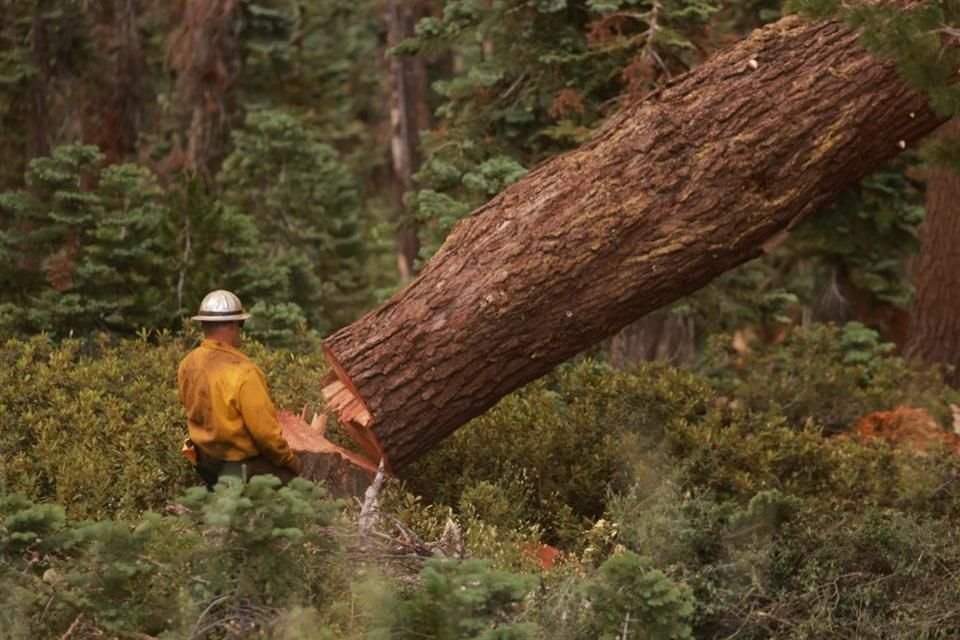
220	306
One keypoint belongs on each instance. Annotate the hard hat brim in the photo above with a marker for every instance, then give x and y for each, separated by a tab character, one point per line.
227	317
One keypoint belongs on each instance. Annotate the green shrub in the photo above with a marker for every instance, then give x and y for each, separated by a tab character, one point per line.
629	596
556	445
461	600
826	376
227	564
880	573
97	425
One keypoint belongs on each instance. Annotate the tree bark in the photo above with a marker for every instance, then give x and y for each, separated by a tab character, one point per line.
113	112
38	137
656	336
408	81
203	51
934	321
670	193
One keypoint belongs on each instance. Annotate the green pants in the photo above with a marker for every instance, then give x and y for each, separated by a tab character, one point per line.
211	469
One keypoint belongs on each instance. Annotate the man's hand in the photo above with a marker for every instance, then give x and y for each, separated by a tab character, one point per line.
295	465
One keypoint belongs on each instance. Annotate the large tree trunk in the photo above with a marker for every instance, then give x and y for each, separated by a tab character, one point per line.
670	193
203	51
114	112
934	321
38	135
408	86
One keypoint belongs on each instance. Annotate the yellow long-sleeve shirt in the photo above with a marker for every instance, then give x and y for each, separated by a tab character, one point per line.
229	412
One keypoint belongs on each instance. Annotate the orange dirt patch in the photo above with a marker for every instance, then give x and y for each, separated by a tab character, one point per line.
545	555
905	427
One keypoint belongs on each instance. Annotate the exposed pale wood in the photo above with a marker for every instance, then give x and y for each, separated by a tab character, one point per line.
331	390
352	415
343	472
319	423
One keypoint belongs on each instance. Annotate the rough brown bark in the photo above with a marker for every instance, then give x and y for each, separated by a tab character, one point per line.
934	321
670	193
408	85
114	112
38	141
204	52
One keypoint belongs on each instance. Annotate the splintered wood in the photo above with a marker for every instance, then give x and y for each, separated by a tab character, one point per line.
344	472
339	398
353	416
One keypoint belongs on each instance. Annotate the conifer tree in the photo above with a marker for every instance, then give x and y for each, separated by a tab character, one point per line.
536	78
84	250
218	246
307	208
44	52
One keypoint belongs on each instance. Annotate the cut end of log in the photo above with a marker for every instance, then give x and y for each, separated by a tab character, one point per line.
344	472
343	400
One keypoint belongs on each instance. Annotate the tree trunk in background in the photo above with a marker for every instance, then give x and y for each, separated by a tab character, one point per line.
204	53
408	115
934	318
38	135
670	193
114	114
656	336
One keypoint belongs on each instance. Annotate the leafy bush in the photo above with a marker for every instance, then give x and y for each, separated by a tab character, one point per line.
704	495
97	425
629	596
555	446
225	566
462	600
825	376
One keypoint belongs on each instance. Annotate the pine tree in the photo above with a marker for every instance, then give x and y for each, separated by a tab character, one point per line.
307	208
83	251
44	53
219	247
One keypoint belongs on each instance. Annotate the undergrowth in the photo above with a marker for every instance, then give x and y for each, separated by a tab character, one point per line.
712	503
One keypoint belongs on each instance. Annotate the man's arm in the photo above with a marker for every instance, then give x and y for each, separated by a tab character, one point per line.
260	417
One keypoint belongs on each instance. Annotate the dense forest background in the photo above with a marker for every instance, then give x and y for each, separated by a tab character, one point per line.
709	471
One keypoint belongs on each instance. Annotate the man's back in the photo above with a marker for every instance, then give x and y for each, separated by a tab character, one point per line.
210	378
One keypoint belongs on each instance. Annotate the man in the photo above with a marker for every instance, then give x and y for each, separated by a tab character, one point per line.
231	420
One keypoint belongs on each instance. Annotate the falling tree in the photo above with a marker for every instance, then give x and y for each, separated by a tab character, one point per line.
671	192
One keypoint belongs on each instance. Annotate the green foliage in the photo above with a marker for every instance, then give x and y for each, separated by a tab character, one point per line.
91	249
462	600
81	421
82	257
916	38
883	573
630	596
307	208
847	261
869	231
824	376
263	545
225	565
535	79
326	70
700	503
553	448
221	247
97	425
45	48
